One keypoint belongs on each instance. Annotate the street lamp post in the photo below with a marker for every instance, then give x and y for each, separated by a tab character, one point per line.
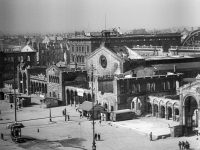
15	103
50	113
92	79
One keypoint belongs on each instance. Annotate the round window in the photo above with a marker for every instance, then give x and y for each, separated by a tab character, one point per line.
103	61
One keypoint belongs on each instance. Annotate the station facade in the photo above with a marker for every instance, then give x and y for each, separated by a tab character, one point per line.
190	106
31	80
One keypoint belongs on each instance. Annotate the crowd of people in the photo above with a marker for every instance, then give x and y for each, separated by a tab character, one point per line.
184	145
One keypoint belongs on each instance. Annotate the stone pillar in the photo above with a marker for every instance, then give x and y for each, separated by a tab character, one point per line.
66	97
159	111
74	99
136	105
181	109
198	117
152	109
173	113
166	113
70	97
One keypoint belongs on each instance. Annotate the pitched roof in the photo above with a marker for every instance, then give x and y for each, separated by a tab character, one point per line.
27	48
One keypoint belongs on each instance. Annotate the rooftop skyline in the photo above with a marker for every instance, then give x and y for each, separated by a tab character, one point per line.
42	16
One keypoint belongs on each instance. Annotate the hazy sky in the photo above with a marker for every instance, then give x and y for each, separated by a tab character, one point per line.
69	15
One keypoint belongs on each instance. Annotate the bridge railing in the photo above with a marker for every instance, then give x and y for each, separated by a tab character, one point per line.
184	48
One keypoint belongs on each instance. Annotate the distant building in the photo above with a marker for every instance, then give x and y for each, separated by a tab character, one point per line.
82	46
12	56
50	50
32	79
58	78
189	107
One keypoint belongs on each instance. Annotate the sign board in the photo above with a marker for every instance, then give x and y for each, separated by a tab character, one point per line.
80	92
42	96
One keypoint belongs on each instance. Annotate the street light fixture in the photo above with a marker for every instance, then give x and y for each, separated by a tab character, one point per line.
92	79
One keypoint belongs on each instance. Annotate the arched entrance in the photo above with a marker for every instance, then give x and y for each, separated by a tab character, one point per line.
149	108
162	111
136	105
176	114
169	115
155	110
68	97
190	114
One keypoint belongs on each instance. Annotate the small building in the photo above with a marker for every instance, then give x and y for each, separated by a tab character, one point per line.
87	110
120	115
23	101
9	97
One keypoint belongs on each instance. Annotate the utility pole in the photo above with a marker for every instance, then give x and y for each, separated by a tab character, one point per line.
50	113
92	80
15	103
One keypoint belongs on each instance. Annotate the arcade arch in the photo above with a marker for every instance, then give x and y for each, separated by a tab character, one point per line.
190	113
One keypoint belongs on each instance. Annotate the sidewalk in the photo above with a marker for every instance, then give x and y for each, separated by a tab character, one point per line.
6	145
159	127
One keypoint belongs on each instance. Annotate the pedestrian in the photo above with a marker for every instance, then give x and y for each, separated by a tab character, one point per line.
68	117
95	136
180	145
150	136
81	116
197	132
38	130
11	106
2	136
187	145
98	136
100	122
63	112
183	145
19	105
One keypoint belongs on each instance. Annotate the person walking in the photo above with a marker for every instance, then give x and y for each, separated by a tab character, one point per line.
180	145
95	136
183	145
150	136
99	137
11	106
187	145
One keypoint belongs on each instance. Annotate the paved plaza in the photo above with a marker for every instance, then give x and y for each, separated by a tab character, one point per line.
77	132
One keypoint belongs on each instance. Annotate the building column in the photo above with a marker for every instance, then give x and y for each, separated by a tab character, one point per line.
136	105
74	99
70	97
166	113
182	115
198	117
173	114
159	111
66	97
152	104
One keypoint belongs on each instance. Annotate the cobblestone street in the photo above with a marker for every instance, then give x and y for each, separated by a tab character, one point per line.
77	133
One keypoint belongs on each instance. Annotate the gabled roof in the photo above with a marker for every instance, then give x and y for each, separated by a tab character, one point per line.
28	48
132	54
53	66
102	47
